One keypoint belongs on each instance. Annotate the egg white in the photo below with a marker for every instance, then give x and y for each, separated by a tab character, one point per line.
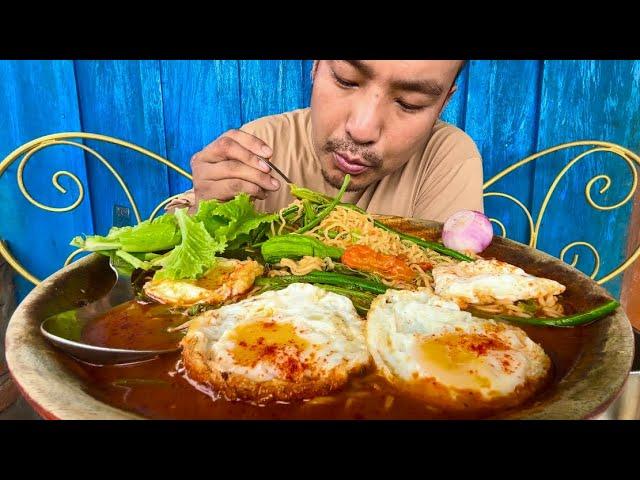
431	349
484	281
322	344
227	279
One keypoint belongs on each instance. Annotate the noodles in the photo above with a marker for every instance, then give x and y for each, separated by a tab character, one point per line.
301	267
548	306
348	227
283	221
424	279
345	227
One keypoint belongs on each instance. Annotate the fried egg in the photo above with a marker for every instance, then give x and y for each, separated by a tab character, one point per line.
485	281
430	349
299	342
226	280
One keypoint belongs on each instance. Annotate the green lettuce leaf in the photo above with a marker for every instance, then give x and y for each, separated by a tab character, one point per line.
155	235
232	221
195	255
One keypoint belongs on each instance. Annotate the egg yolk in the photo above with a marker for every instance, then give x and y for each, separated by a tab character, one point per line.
458	354
277	343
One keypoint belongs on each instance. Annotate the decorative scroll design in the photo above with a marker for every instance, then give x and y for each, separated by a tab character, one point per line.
534	227
27	150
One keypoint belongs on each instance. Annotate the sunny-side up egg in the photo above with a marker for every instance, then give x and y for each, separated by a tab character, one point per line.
430	349
484	281
227	279
299	342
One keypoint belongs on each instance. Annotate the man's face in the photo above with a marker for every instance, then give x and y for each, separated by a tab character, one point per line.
368	117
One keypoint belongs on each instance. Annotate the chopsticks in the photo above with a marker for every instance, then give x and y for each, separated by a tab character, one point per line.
277	170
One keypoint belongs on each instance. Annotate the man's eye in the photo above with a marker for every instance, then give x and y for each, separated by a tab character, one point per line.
342	82
408	107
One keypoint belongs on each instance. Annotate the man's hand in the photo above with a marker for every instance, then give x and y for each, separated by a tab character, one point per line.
231	165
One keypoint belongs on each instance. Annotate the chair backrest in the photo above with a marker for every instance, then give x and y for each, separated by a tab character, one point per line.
534	222
534	226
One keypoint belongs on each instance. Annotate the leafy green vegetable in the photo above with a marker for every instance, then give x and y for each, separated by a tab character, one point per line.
195	254
309	214
132	260
361	300
310	195
232	221
327	210
159	234
320	199
328	278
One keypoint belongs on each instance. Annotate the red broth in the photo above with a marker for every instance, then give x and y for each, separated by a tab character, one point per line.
160	389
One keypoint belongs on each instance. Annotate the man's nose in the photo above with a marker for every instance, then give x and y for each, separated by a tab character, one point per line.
364	124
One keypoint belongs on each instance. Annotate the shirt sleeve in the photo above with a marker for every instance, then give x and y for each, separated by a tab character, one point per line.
450	186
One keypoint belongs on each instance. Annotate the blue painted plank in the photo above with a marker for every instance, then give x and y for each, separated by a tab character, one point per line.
454	111
123	99
269	87
502	118
201	101
307	84
587	100
39	98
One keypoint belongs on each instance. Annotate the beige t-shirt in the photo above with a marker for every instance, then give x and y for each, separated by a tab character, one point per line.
433	184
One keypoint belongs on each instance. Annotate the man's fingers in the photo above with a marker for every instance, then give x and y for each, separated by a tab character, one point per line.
233	169
226	148
251	143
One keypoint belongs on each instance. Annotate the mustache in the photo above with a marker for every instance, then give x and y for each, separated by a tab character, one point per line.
335	145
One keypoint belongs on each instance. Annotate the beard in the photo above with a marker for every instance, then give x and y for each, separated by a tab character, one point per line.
358	183
336	181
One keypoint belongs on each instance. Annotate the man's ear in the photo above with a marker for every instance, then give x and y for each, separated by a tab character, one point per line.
452	90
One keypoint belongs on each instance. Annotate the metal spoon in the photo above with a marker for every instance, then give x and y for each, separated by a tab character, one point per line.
64	329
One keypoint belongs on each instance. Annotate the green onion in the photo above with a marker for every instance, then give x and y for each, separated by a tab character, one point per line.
361	300
329	278
309	214
569	321
327	210
435	246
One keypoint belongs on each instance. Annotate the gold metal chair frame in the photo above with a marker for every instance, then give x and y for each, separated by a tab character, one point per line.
27	150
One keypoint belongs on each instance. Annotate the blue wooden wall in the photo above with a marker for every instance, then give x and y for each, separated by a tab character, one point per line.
174	108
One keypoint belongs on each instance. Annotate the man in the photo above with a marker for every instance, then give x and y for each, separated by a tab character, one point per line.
375	120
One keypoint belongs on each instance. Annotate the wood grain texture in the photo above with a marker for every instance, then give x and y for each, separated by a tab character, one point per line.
123	99
307	83
587	100
502	118
201	101
268	87
39	98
